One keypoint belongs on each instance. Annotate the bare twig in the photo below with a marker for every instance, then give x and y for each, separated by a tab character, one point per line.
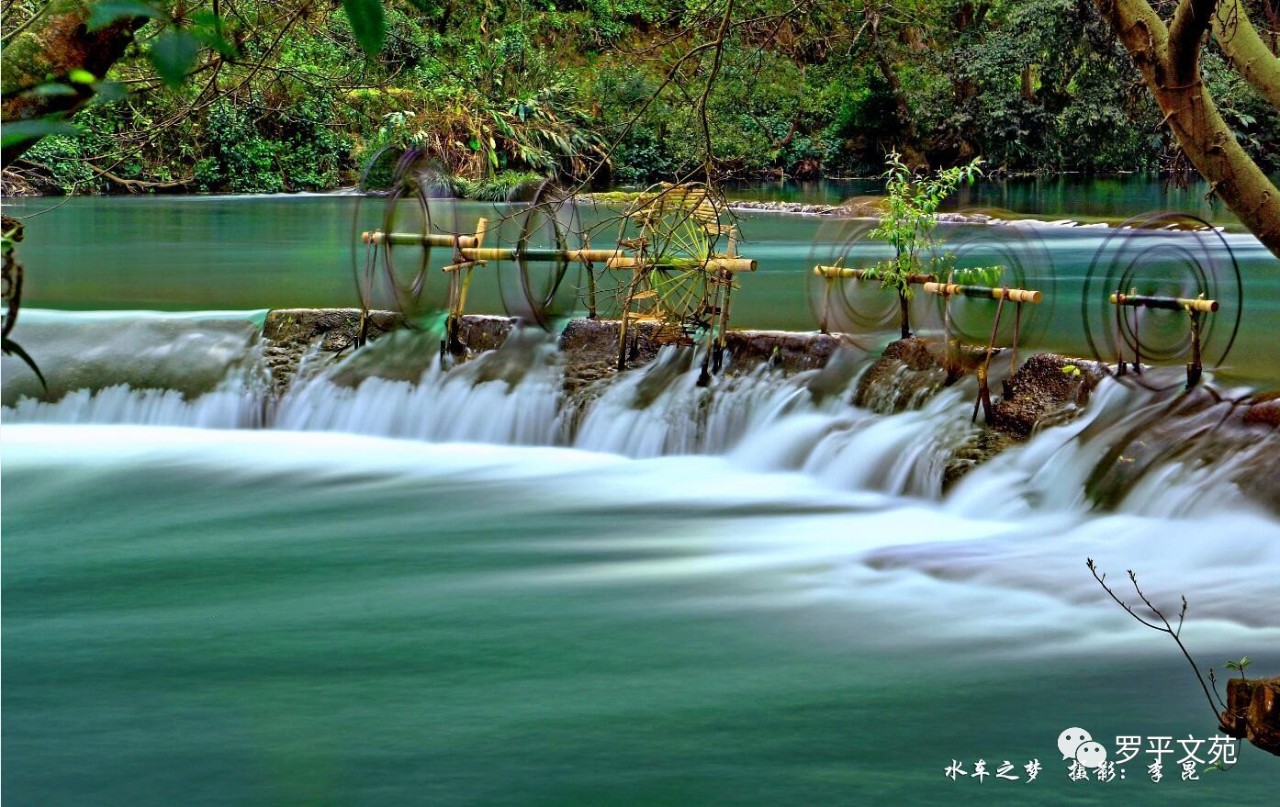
1163	627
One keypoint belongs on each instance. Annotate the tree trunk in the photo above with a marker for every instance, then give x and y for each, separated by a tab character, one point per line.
1169	59
52	46
1249	55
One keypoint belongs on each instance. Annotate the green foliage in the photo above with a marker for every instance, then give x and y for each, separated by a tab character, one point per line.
1239	666
502	187
173	53
367	23
909	221
295	94
106	12
256	153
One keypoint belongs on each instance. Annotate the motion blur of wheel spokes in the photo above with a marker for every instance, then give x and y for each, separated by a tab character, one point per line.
674	230
848	304
543	285
1023	261
1170	255
416	200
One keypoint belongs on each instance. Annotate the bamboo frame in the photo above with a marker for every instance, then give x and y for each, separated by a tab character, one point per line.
1196	308
992	292
1165	303
715	271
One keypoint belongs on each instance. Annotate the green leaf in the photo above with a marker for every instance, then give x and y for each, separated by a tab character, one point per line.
103	14
81	76
367	23
209	29
20	131
173	54
110	91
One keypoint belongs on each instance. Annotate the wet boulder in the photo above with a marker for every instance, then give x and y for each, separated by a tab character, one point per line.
1253	712
1046	390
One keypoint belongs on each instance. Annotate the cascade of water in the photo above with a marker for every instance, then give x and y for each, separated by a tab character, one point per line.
237	406
762	419
203	370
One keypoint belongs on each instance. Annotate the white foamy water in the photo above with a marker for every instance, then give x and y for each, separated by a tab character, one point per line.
212	374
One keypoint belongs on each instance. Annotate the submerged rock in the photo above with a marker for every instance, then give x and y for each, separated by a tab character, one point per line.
908	374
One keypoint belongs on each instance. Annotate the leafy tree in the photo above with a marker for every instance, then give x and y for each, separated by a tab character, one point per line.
908	223
1169	58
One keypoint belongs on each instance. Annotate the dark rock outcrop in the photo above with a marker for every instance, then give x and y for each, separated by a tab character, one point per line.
290	332
1046	390
1253	712
908	374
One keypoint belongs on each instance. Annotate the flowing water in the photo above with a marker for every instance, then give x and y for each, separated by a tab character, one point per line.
471	589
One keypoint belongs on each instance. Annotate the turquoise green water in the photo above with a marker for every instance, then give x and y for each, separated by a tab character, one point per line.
201	253
262	616
267	618
1052	197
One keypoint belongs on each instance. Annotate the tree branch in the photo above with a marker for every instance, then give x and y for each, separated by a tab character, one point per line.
1248	54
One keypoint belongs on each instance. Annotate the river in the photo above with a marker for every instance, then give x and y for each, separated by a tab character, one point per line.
450	592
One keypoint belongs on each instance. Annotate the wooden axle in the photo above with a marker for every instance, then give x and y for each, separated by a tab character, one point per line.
1166	303
832	272
993	293
417	239
710	265
468	247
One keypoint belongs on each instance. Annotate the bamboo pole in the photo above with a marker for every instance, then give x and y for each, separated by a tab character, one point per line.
1165	303
849	272
993	293
710	265
380	238
1194	367
469	247
984	391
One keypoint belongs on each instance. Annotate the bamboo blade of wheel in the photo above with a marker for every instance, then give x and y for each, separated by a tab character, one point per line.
460	266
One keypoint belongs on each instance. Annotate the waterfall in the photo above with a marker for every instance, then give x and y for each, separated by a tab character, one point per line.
211	373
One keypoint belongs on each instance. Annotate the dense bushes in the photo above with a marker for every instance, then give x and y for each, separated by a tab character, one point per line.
500	90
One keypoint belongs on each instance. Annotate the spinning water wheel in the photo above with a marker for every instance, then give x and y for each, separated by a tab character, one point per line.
682	254
1163	288
418	213
678	255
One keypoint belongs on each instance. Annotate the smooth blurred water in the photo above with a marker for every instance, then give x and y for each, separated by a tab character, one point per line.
278	618
752	593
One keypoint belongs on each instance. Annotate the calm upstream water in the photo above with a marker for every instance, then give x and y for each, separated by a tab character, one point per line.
462	590
238	253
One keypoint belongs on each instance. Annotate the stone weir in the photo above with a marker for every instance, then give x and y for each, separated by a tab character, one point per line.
590	346
1197	426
